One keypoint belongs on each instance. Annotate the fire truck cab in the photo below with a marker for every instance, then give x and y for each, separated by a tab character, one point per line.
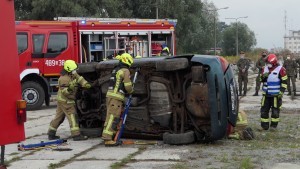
43	46
13	113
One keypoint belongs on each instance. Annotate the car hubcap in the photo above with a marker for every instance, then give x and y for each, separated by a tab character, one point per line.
30	95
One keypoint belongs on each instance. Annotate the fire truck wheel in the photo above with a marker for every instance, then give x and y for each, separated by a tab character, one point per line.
179	139
33	93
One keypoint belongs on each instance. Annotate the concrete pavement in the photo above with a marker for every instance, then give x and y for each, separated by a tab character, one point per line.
91	154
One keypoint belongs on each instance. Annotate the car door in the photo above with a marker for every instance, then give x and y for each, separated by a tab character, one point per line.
57	50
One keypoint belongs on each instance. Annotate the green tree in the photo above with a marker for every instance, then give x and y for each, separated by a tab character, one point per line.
246	38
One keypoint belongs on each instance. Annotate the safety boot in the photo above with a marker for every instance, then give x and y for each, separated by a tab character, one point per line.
52	135
256	93
79	138
111	143
295	94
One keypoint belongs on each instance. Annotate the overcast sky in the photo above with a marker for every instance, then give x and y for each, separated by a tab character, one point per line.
265	18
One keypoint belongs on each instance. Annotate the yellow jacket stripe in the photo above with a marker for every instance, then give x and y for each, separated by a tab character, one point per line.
264	120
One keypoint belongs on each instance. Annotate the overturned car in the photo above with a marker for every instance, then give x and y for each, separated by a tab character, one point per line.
179	99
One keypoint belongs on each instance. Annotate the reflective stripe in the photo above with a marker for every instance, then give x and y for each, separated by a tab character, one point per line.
74	125
234	136
275	102
241	120
52	128
128	84
275	119
284	85
264	120
263	100
118	81
284	77
116	95
109	124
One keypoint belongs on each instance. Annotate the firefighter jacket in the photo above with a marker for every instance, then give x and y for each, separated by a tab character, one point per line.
290	66
274	80
243	64
119	83
64	93
260	64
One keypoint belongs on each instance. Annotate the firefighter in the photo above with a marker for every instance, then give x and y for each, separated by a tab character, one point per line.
243	65
68	84
241	130
260	64
290	65
165	50
274	80
119	85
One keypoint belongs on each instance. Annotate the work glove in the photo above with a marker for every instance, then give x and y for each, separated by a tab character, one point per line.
71	87
87	86
280	95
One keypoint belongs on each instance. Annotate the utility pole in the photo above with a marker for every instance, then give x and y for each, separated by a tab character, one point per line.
237	33
156	9
215	27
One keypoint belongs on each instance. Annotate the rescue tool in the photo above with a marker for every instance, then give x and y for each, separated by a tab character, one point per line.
42	144
125	113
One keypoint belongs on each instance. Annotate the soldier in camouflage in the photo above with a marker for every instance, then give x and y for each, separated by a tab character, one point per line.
290	65
243	65
260	64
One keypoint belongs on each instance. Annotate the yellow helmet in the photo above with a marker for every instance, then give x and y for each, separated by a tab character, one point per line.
126	59
70	65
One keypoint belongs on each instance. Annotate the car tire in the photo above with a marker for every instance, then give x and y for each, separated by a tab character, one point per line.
91	132
179	139
87	67
172	64
34	95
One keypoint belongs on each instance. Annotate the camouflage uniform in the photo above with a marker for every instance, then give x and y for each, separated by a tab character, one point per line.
259	64
290	66
243	65
119	84
66	103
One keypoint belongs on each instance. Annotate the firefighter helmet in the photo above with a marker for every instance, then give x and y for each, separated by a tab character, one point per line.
272	59
126	59
70	65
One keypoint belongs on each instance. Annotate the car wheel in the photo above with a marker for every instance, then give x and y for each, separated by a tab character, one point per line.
179	139
91	132
34	95
172	64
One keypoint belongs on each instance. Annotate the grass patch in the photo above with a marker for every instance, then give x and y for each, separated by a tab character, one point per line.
246	163
65	162
179	166
127	159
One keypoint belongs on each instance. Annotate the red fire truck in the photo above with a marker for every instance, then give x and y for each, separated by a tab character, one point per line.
43	46
13	113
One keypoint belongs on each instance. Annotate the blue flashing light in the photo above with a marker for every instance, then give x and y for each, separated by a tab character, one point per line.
83	22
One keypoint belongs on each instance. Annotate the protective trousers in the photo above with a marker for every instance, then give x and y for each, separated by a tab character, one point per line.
258	83
267	103
243	79
65	110
114	109
289	80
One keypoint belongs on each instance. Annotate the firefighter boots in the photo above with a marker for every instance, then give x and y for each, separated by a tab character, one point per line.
52	135
79	138
256	93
